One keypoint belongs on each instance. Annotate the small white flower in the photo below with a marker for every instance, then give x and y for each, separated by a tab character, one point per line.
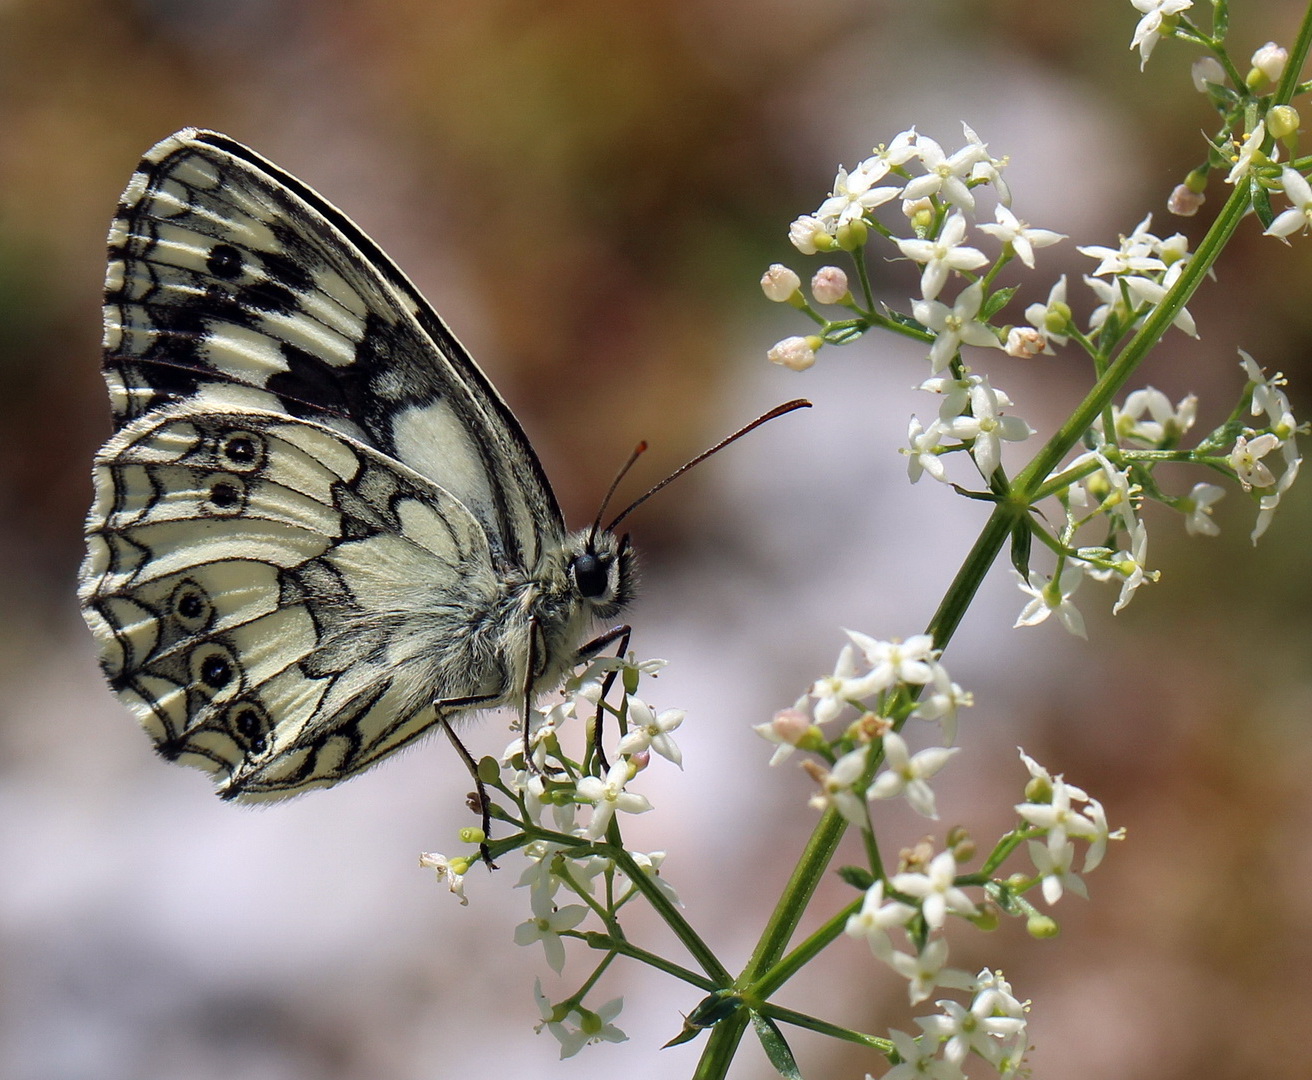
1023	238
779	283
647	730
1053	862
1130	565
591	1027
941	703
1057	816
936	890
986	428
853	195
1156	22
1052	318
1299	216
955	326
921	457
1198	509
919	1060
1167	423
1267	396
909	775
650	864
834	692
942	255
902	149
546	925
1048	597
452	871
1246	460
829	285
608	796
896	661
1250	154
836	787
795	353
962	1030
925	971
876	918
945	176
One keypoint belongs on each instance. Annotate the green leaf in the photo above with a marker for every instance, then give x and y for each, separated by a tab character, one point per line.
996	302
776	1047
1021	540
857	877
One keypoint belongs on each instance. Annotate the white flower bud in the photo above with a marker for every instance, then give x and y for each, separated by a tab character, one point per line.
1183	202
779	283
829	285
1024	342
1206	70
806	233
1270	60
797	353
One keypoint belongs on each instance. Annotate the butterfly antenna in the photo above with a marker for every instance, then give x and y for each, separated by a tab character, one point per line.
778	410
638	451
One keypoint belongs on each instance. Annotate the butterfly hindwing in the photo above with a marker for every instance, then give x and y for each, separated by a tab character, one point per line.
233	285
280	604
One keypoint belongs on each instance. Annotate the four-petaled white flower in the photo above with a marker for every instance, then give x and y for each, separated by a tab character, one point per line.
1022	237
1053	862
836	787
876	918
1049	597
986	428
945	176
936	890
897	661
609	796
589	1027
546	925
925	970
961	1030
646	729
919	1060
942	255
1156	22
1246	460
909	774
845	686
921	457
853	194
955	326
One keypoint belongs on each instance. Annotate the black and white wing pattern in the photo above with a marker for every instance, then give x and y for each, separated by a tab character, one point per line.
317	525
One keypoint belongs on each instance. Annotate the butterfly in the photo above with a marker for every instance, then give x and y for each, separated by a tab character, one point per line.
317	529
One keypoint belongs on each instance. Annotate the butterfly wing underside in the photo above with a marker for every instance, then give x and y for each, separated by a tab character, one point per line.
304	524
232	284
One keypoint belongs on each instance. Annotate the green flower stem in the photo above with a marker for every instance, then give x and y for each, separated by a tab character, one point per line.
596	940
811	1023
790	965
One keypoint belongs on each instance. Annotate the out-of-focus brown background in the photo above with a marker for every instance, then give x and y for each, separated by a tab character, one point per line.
589	192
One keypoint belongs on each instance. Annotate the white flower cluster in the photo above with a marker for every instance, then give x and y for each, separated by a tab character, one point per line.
874	678
914	906
566	855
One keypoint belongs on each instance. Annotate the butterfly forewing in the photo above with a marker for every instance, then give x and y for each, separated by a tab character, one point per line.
230	283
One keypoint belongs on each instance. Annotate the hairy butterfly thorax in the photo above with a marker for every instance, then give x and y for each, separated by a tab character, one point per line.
318	530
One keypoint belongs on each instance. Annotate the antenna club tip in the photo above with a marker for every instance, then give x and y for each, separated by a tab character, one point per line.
641	448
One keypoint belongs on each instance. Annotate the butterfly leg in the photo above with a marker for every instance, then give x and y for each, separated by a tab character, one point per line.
587	652
480	791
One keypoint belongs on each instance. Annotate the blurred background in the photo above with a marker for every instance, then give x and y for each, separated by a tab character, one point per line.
589	192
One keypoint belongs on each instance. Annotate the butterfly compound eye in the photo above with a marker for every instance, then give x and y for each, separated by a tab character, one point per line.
591	576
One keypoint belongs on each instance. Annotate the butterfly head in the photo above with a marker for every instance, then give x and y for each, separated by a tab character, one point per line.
602	571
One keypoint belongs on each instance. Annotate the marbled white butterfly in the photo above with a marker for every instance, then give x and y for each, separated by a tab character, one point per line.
318	527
